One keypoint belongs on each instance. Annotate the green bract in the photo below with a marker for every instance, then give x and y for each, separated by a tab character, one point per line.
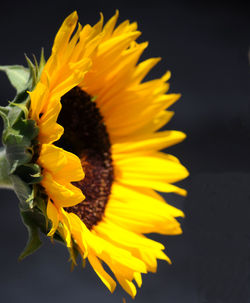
17	157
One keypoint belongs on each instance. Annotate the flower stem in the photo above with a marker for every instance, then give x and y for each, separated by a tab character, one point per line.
5	181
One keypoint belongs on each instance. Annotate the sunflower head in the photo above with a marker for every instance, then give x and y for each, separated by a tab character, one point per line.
82	150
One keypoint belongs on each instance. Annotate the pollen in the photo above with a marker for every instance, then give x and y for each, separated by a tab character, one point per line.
86	136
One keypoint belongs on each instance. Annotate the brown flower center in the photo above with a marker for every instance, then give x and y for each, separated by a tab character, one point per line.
86	136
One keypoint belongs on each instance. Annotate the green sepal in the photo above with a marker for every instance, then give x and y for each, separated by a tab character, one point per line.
75	254
30	200
42	206
41	63
31	173
58	238
22	107
18	76
4	111
21	151
18	108
23	78
33	72
22	190
18	141
5	181
29	219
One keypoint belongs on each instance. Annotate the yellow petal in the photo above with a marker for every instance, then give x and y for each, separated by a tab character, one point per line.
143	68
139	210
138	278
64	33
63	194
80	233
114	45
38	97
61	164
49	129
120	235
98	268
53	216
66	229
128	286
109	26
151	126
143	171
152	142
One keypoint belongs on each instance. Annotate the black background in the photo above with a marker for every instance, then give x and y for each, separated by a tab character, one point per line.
205	45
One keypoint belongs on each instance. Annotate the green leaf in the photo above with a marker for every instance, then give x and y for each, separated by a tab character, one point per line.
34	241
18	76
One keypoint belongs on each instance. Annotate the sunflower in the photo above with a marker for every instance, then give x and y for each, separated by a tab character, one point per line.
98	148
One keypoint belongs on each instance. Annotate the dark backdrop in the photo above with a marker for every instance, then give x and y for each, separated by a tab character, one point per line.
206	48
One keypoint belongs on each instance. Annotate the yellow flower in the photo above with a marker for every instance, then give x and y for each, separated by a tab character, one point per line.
100	149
